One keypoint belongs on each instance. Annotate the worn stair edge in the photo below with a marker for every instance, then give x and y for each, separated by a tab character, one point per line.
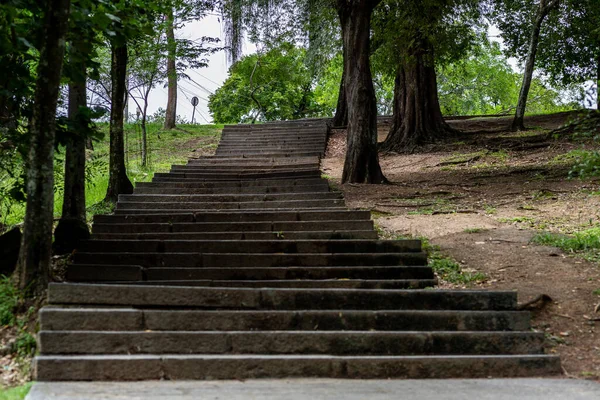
258	298
174	367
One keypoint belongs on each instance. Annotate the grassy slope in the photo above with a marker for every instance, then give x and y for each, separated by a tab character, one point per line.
173	147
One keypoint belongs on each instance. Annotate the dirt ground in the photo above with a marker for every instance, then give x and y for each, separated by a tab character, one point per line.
481	197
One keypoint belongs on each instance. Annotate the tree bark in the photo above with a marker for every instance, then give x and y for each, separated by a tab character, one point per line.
362	161
543	10
118	182
72	226
341	110
417	114
171	113
33	270
598	82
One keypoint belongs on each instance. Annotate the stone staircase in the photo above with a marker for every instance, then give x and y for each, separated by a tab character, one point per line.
245	265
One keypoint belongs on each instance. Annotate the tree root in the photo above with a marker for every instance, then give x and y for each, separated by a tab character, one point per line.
542	300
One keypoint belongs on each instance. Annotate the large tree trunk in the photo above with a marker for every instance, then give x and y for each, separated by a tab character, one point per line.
72	227
36	246
362	161
118	182
543	10
417	115
171	114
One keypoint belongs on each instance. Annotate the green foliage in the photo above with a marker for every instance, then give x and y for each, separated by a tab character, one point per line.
483	82
273	86
585	243
9	300
451	271
16	393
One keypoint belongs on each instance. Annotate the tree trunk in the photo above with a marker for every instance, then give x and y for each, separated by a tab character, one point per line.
171	113
341	110
598	83
417	115
118	182
543	10
144	135
72	227
362	161
36	246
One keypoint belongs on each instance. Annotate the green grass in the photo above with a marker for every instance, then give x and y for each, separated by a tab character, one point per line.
585	243
451	271
475	230
9	300
596	292
165	148
16	393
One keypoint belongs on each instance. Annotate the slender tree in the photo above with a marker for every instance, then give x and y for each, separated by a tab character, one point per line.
118	181
171	113
36	247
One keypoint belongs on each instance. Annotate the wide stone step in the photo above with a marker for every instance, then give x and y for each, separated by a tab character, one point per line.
199	260
291	284
255	226
281	155
280	299
251	246
160	189
254	160
235	197
136	319
309	173
242	235
223	166
93	272
295	342
232	205
262	183
238	216
181	367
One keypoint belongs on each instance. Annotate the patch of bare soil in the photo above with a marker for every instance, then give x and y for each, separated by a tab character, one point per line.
481	197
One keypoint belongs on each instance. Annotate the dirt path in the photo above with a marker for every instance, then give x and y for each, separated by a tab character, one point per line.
482	197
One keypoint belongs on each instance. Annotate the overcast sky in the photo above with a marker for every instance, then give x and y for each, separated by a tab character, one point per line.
206	80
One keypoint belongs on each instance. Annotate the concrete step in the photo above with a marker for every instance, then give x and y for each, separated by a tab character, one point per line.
181	367
241	160
136	319
291	342
231	205
279	299
268	235
230	197
210	227
200	260
252	246
93	272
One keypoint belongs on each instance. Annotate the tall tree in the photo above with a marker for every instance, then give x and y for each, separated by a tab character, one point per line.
518	19
171	112
362	160
118	181
417	36
36	247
